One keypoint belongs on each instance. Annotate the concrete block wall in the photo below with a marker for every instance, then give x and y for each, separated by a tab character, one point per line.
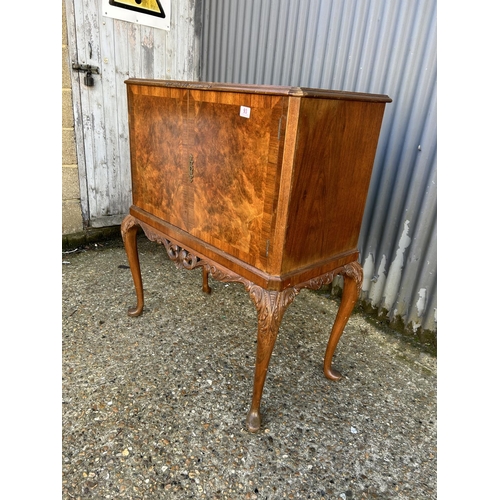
72	221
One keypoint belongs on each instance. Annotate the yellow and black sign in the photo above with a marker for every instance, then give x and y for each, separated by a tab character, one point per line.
154	13
148	7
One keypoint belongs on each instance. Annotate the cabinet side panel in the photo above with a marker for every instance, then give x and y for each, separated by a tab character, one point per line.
235	153
159	167
336	145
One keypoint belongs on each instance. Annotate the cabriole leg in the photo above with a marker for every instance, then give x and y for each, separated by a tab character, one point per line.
353	277
129	229
206	286
271	307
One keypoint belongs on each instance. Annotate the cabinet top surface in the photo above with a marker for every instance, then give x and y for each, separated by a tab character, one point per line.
263	89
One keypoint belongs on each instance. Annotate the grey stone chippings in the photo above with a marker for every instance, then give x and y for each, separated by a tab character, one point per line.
155	406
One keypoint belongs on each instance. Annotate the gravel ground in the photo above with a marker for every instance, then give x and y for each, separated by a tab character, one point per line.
154	407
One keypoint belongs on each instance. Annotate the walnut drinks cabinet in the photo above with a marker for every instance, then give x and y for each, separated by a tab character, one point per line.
261	185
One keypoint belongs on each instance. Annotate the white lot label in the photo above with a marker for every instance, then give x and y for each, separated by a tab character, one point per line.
244	112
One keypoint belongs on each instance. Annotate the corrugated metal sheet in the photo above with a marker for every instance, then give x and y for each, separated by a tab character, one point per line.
379	46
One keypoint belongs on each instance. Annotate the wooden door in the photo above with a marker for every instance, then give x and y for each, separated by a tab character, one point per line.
159	162
120	50
234	142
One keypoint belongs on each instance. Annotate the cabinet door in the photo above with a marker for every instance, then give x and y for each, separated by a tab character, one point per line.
160	168
235	147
